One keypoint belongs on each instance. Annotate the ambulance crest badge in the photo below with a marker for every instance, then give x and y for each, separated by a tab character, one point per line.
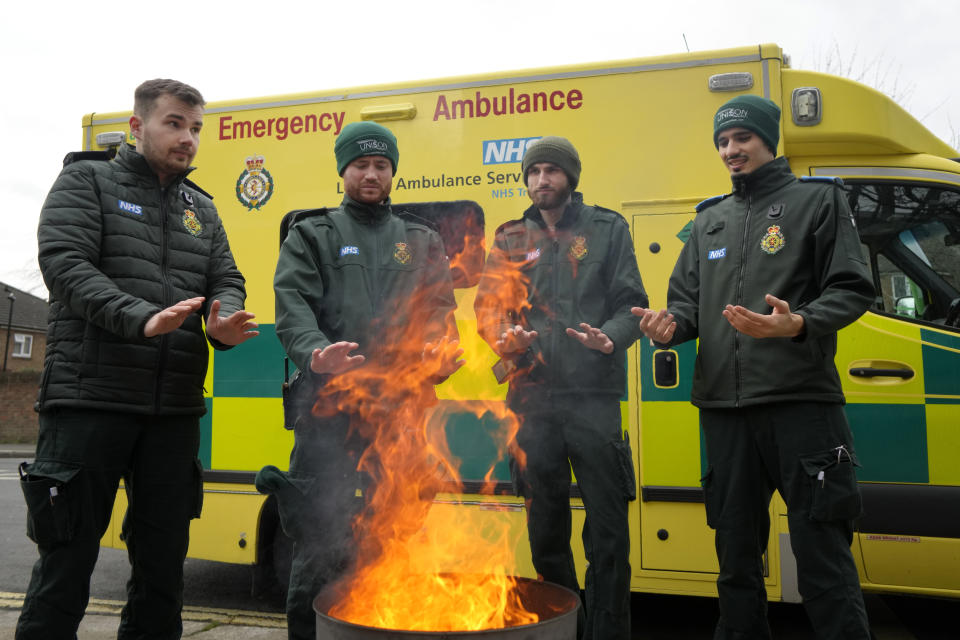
255	185
578	248
773	241
401	253
191	223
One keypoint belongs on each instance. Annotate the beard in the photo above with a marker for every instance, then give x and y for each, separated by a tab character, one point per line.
550	199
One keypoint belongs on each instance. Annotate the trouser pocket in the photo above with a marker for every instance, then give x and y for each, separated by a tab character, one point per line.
51	493
833	484
624	456
293	504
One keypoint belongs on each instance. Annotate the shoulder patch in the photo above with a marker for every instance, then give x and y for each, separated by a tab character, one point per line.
822	179
709	202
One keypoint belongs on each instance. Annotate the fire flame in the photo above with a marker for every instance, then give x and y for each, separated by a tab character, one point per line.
404	575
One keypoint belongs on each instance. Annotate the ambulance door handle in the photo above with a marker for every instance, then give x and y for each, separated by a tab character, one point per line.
871	372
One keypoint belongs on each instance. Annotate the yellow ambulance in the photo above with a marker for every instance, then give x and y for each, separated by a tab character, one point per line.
644	131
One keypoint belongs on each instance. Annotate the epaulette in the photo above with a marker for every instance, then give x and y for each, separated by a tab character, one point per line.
601	208
295	216
511	223
709	202
412	217
194	185
77	156
828	179
610	211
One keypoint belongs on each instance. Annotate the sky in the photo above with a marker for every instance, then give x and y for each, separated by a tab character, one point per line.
66	59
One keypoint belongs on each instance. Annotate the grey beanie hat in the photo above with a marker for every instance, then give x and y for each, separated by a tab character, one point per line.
557	150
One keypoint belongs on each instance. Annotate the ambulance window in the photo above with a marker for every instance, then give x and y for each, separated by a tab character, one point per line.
911	237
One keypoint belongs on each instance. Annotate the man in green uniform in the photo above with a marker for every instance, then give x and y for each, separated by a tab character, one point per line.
357	289
769	275
563	342
135	257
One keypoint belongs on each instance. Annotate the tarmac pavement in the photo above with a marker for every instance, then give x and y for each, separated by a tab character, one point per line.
24	451
201	623
103	616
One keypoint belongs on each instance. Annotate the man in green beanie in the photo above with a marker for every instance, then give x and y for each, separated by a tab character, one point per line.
563	346
769	275
360	290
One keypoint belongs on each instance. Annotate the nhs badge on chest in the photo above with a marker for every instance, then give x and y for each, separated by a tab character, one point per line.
349	250
716	254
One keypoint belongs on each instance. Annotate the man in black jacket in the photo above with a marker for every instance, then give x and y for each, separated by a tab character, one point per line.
769	275
563	341
132	253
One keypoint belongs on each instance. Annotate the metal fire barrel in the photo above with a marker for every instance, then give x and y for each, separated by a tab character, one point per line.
555	605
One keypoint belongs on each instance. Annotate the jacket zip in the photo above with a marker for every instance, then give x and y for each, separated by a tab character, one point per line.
736	334
554	347
375	348
161	351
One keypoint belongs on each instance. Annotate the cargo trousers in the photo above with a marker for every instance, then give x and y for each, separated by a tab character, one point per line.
317	500
804	451
70	490
582	432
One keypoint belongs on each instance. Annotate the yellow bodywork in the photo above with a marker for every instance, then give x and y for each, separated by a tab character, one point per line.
644	132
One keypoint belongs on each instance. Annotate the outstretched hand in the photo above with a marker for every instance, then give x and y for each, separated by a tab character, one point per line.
335	358
446	354
515	339
171	318
234	329
780	323
658	326
592	338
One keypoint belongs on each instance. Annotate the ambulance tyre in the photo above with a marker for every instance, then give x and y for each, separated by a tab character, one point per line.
282	558
271	574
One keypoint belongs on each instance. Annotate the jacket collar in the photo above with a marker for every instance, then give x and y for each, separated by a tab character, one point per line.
770	177
569	217
133	161
367	213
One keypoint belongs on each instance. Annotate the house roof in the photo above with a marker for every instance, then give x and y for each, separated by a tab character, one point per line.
29	311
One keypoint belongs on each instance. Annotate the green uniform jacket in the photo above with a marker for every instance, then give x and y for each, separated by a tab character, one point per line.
775	234
361	274
587	273
114	249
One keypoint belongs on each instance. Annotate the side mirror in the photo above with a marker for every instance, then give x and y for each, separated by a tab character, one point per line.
906	306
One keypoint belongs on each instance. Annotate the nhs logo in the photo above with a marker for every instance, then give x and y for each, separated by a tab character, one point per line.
130	207
349	250
716	254
505	151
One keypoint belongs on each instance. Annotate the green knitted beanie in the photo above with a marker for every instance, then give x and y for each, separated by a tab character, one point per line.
365	139
557	150
751	112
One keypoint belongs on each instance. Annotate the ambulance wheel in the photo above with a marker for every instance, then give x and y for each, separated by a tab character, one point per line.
282	558
271	574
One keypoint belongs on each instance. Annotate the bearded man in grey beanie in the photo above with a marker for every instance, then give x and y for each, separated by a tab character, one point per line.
769	275
563	345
